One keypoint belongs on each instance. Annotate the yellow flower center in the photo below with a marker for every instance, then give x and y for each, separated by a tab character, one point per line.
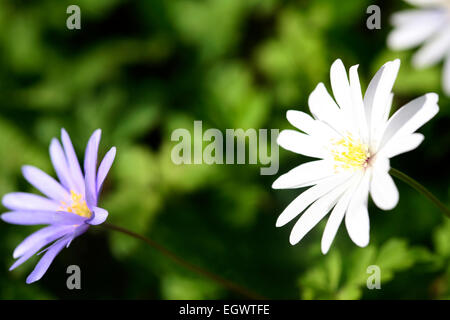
78	205
349	153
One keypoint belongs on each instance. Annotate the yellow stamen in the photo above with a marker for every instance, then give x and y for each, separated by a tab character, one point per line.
78	205
349	153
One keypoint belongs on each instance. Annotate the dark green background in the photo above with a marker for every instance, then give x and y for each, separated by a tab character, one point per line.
139	70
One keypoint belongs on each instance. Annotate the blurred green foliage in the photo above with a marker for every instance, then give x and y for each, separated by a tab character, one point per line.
140	69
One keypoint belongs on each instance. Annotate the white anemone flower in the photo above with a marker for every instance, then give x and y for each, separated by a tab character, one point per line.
353	139
428	24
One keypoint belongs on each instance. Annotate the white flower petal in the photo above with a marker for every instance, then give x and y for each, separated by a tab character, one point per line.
410	117
341	86
446	75
321	104
402	144
377	99
300	143
417	30
315	213
426	3
383	190
358	104
434	49
309	196
301	121
411	16
335	220
316	129
326	111
304	175
357	217
390	100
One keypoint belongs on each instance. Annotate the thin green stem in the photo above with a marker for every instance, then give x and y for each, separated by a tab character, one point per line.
172	256
416	185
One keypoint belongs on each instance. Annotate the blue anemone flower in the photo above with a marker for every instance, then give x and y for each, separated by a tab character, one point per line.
69	207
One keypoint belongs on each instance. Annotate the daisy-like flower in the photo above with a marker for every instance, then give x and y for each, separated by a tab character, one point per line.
353	138
428	24
69	206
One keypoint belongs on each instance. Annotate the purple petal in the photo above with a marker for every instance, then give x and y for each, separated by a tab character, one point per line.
44	183
78	232
42	217
41	238
104	167
90	168
60	164
72	162
27	255
100	216
28	201
47	259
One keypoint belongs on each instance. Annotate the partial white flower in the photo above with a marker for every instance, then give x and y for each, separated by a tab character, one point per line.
430	25
353	139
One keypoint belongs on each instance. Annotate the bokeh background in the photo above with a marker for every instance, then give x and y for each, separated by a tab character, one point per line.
139	70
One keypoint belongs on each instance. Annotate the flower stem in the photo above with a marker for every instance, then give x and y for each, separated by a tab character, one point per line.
416	185
169	254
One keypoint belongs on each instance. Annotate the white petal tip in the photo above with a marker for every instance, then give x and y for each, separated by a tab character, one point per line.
278	184
320	85
279	138
384	205
283	137
363	244
293	240
388	208
290	113
324	250
394	65
447	90
433	97
337	62
280	223
387	204
396	62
